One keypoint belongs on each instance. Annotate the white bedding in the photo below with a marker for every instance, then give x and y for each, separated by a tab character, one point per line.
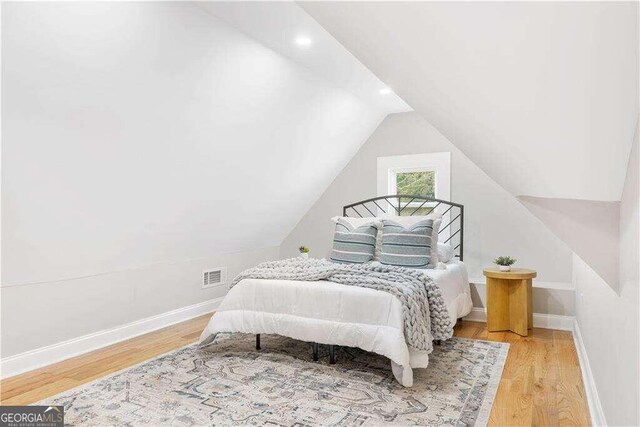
454	284
332	313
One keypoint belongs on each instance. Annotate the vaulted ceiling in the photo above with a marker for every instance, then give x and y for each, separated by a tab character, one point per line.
541	95
142	125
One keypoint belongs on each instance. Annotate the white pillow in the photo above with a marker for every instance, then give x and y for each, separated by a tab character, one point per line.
408	221
359	222
445	252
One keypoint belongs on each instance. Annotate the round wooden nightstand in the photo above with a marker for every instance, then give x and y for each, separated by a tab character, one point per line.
509	300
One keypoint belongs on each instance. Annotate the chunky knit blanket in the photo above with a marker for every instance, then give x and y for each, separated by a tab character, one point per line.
425	314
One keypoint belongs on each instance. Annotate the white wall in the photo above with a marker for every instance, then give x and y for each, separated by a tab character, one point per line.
38	315
138	136
496	223
608	320
144	132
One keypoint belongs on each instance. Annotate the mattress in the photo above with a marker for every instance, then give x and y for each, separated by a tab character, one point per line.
332	313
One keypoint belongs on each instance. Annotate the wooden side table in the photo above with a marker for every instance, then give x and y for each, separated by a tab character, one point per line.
509	300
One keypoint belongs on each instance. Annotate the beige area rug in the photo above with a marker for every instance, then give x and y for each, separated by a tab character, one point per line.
231	383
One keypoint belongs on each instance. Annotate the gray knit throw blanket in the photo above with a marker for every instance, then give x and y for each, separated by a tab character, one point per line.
422	303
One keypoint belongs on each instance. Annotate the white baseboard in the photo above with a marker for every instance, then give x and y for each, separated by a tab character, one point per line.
595	407
540	320
43	356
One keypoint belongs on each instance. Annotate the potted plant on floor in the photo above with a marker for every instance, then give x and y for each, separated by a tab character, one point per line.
504	262
304	252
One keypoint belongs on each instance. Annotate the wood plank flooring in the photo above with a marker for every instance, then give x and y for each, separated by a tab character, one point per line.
541	383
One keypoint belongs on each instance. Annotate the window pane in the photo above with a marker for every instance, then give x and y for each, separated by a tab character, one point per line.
414	211
416	183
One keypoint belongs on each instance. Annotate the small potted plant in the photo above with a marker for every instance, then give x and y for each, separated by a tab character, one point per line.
304	251
505	262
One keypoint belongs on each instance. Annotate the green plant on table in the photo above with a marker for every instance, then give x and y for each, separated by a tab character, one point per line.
505	261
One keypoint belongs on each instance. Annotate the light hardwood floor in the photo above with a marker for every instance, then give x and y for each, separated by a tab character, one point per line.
541	383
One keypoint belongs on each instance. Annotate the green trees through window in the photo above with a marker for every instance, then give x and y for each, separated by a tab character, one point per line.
416	183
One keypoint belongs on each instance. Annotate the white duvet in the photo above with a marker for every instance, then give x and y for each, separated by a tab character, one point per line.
330	313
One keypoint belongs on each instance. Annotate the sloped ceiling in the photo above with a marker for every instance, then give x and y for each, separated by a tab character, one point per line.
590	229
143	132
543	96
279	24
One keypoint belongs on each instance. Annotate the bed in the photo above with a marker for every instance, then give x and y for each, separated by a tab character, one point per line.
338	314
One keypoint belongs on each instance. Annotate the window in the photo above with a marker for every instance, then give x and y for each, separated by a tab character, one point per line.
422	183
415	175
415	183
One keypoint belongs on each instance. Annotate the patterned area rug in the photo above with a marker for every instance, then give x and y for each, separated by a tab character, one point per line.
231	383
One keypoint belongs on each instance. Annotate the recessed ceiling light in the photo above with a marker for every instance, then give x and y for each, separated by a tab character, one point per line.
303	41
385	91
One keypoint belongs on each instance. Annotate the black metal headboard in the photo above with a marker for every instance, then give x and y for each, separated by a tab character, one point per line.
452	227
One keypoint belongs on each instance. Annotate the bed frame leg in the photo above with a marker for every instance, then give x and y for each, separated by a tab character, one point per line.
332	354
257	341
314	345
438	342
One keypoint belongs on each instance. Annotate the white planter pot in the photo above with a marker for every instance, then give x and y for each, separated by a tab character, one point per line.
505	268
304	255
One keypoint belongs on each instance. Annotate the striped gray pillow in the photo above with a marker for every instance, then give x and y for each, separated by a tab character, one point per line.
406	247
353	245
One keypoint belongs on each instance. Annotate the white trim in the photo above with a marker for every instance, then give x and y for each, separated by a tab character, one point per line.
595	407
540	320
476	315
43	356
440	163
560	286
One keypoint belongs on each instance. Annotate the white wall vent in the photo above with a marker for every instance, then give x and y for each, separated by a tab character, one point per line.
214	277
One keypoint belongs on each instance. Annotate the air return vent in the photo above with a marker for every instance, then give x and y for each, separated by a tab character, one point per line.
214	277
